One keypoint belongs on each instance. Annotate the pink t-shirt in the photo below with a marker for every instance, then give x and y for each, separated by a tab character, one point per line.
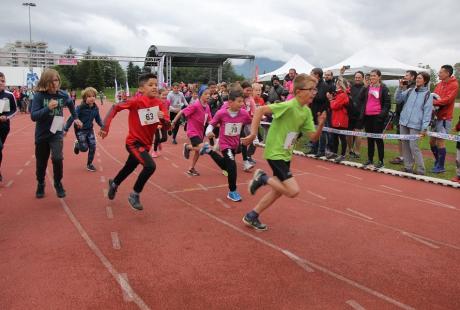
250	105
230	127
290	88
197	116
373	106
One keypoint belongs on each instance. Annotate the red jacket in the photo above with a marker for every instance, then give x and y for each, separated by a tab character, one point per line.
137	133
448	92
339	118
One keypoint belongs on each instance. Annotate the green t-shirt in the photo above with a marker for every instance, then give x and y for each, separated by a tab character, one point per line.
289	119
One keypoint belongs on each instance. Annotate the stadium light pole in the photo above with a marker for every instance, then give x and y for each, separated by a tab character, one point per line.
30	4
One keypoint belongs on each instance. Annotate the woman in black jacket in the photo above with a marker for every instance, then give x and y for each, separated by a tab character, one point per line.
375	106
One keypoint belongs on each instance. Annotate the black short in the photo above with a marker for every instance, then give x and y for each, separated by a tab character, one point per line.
355	124
195	141
281	169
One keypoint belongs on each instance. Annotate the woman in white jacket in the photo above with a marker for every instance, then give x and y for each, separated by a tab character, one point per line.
415	119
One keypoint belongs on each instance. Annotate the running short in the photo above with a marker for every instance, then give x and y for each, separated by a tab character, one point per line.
281	169
195	141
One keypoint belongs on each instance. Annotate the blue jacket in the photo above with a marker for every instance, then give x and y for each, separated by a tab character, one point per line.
416	113
43	116
6	95
86	115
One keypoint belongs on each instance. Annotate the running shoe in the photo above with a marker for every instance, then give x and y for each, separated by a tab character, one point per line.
40	193
135	202
205	149
252	161
367	163
225	173
256	181
193	172
397	161
154	154
60	191
234	196
112	190
174	141
254	223
186	151
91	168
76	148
379	165
339	159
456	179
247	165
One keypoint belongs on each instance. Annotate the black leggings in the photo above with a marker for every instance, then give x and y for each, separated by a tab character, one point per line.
176	127
374	124
161	136
335	142
138	154
3	134
42	153
227	163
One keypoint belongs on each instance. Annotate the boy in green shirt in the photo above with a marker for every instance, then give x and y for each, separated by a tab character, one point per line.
289	119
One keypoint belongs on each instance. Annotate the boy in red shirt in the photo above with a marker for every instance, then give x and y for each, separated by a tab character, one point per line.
145	113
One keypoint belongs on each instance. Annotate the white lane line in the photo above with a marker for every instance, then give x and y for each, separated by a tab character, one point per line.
431	245
354	177
9	183
316	195
27	163
115	240
322	167
202	186
355	305
360	214
299	261
437	203
20	171
105	192
102	179
391	188
105	262
166	158
174	165
223	203
109	212
122	280
273	246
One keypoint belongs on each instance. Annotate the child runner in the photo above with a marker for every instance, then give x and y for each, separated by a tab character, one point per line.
161	134
145	113
231	120
47	112
87	112
177	100
198	114
289	119
250	107
7	111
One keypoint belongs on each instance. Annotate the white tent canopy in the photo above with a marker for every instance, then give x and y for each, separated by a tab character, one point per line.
296	62
374	58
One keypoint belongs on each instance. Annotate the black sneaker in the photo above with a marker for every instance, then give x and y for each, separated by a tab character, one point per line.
40	193
339	159
91	168
367	163
174	141
255	223
112	190
319	155
76	148
135	202
186	151
379	165
331	156
256	181
60	191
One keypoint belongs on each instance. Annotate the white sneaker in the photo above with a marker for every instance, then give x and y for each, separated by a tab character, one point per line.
247	165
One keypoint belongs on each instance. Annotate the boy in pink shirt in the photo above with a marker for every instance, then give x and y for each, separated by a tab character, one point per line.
231	120
198	114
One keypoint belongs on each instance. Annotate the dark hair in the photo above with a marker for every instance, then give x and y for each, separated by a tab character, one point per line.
412	73
212	83
318	72
449	69
360	72
2	75
295	71
376	71
144	77
205	81
275	77
245	84
234	91
425	76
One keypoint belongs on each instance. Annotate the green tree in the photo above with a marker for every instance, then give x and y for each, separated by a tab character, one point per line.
95	76
133	72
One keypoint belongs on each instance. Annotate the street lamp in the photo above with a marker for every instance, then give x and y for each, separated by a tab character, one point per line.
30	4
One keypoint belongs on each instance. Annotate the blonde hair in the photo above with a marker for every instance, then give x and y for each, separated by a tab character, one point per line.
46	80
342	84
256	85
302	80
87	92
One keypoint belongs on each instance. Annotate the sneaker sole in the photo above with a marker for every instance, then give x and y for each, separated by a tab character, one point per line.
133	207
253	227
91	170
252	181
234	200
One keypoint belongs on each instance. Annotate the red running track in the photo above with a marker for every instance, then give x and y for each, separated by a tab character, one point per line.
353	239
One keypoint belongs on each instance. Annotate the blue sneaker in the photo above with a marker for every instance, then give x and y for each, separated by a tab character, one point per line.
438	169
234	196
205	149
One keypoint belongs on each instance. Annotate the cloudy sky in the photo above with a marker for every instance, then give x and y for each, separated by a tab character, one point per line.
323	32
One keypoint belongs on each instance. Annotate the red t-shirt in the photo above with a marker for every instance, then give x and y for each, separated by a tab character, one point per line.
139	133
259	101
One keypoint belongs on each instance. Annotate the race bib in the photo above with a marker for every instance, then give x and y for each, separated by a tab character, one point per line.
233	129
4	105
148	116
57	124
290	141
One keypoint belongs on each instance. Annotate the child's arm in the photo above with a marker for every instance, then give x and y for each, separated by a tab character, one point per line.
260	112
111	114
314	136
70	105
98	119
178	115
